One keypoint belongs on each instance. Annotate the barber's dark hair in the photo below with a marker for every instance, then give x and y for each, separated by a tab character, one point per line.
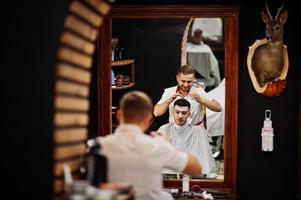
135	106
186	69
182	103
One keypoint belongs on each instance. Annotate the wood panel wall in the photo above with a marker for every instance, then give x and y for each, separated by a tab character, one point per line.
73	76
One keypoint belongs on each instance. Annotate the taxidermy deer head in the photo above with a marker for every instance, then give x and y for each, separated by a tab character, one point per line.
268	60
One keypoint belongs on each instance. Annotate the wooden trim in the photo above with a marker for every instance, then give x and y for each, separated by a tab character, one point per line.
184	42
101	6
122	62
299	148
86	13
75	57
71	103
80	27
77	42
123	87
74	60
73	73
173	11
68	135
70	119
69	151
231	98
66	87
104	79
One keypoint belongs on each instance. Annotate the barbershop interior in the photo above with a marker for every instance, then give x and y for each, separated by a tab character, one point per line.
151	100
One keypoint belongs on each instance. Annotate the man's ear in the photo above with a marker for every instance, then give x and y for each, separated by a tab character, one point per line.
147	121
119	116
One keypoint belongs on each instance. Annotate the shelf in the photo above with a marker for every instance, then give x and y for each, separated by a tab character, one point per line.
122	62
123	87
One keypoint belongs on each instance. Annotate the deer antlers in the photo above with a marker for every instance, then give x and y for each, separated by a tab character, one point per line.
279	10
268	10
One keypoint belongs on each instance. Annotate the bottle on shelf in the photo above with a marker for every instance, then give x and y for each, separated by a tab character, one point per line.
96	163
121	51
114	50
113	77
116	53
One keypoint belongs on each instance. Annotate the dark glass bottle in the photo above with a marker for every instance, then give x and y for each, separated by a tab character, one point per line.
121	51
116	52
96	164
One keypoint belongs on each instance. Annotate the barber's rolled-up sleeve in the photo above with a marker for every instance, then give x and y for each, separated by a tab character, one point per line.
165	96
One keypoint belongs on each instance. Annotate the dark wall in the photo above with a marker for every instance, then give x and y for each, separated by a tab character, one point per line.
31	37
155	44
271	175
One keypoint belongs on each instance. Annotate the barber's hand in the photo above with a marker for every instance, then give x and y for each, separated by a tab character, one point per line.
173	97
196	97
159	135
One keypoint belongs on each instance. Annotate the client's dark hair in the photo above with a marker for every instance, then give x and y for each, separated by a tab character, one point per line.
182	103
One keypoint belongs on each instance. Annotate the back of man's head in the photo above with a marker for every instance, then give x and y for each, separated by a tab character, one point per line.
197	36
182	103
198	32
186	69
135	106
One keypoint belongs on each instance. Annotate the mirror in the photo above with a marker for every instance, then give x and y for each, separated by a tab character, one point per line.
184	13
203	48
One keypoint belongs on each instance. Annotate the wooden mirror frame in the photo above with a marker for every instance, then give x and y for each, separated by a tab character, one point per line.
230	17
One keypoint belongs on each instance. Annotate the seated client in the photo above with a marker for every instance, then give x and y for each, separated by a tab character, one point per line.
187	137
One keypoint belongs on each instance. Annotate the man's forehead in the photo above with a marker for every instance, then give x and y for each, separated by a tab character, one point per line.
181	108
186	76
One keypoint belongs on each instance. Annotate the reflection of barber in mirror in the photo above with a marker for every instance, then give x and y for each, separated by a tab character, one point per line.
188	138
138	159
197	97
201	57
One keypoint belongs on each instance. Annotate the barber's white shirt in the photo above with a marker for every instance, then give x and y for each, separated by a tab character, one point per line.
138	159
197	113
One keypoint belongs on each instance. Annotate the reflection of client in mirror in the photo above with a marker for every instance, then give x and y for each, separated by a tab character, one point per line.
201	57
188	138
196	96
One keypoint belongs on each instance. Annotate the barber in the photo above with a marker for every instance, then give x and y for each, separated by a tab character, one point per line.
196	96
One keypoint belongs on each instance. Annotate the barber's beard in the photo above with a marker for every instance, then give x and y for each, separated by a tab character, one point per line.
185	89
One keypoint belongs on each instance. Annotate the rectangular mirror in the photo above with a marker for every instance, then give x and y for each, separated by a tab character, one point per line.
168	18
